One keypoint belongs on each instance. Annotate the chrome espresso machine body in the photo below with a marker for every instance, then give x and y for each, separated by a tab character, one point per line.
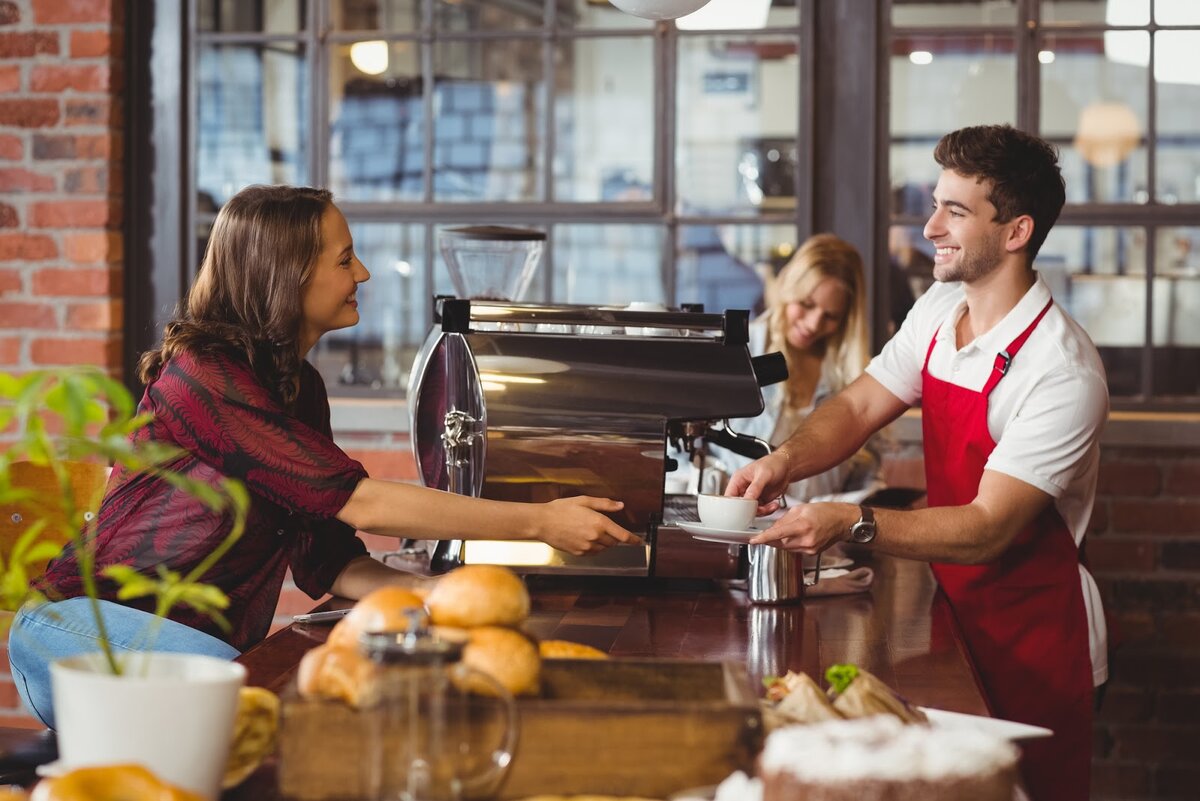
525	402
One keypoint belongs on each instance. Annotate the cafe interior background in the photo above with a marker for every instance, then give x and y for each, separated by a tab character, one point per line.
670	163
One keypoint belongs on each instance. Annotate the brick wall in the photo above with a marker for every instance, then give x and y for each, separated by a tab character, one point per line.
61	70
1144	550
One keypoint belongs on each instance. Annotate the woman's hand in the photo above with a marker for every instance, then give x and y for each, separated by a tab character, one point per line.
576	526
765	480
810	527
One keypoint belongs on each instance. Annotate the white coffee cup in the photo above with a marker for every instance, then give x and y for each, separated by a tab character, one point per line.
729	513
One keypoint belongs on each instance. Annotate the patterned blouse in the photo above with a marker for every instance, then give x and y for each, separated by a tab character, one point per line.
214	407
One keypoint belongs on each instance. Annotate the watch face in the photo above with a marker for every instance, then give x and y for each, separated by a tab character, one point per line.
862	532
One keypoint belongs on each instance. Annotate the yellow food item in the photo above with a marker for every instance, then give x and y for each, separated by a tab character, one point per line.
478	595
565	649
338	673
254	733
110	783
586	798
13	794
384	609
507	656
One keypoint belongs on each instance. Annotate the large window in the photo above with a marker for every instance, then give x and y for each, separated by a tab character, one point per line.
662	162
1116	85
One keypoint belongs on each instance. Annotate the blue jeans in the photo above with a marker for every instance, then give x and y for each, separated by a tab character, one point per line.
43	633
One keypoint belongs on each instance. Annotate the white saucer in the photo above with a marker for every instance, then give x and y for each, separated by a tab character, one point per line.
827	563
1006	729
729	536
51	770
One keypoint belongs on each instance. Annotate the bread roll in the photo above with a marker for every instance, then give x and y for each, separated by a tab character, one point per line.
338	673
478	595
506	655
384	609
110	783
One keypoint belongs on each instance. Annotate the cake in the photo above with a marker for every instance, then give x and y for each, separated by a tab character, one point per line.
881	759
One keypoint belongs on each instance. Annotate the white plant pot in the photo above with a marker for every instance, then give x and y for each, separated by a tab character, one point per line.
172	713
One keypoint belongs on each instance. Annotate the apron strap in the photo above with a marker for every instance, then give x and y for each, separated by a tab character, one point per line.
1005	357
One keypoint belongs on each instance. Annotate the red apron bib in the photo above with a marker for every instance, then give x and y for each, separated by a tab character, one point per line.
1022	615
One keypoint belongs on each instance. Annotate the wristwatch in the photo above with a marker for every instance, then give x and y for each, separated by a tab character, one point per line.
864	530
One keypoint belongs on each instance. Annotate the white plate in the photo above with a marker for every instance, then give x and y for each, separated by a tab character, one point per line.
729	536
1007	729
51	770
828	563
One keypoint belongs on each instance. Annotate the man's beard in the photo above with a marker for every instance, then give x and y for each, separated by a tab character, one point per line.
973	265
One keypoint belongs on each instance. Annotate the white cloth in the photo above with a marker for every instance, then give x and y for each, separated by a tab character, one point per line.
1045	415
851	482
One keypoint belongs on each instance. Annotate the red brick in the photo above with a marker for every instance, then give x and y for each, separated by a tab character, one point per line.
1153	593
1179	707
1134	627
1129	478
1183	478
395	465
55	12
86	180
11	148
74	214
94	247
87	44
1100	516
105	352
1112	555
28	43
10	13
293	601
1177	781
10	79
89	112
81	78
48	147
1157	743
1119	780
15	179
76	282
1168	516
8	216
10	350
10	281
29	113
21	720
1164	668
26	247
1126	705
103	315
15	314
1181	556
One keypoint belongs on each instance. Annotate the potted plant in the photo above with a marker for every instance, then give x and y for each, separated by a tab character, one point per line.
51	421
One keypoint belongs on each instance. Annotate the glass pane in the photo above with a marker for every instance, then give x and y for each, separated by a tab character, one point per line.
725	266
940	84
910	265
258	16
608	264
604	120
1097	12
953	13
376	121
1177	12
487	15
1177	73
393	16
488	129
1177	304
1094	107
252	119
1098	273
374	357
737	107
598	14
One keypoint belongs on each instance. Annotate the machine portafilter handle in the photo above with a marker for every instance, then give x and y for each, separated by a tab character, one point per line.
769	368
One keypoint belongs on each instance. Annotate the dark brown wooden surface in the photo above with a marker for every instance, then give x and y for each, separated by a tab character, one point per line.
900	630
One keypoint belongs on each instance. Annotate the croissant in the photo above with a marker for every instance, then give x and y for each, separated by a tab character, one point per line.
866	695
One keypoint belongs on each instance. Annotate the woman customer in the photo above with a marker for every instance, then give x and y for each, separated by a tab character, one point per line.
230	386
816	317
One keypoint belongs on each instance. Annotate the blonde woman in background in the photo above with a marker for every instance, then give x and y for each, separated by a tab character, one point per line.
816	317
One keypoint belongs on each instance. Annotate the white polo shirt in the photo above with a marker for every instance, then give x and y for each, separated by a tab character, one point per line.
1045	415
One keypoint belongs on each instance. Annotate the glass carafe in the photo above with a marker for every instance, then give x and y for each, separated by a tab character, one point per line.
430	739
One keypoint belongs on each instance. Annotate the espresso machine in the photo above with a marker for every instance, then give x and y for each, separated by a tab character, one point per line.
527	402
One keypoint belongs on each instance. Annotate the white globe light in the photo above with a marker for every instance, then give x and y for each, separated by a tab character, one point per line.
659	9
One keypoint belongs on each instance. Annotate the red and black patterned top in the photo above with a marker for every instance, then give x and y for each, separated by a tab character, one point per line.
214	407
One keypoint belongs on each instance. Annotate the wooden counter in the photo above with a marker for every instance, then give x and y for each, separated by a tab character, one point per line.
901	630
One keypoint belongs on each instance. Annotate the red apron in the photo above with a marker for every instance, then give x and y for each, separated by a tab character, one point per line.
1022	615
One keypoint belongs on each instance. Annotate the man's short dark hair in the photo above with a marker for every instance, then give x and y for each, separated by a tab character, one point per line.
1022	168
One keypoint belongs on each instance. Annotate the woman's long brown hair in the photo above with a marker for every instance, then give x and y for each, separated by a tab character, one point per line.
246	298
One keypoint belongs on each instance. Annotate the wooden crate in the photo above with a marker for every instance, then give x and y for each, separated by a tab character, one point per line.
621	727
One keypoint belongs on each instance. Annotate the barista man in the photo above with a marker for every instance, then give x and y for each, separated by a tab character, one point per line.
1013	398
